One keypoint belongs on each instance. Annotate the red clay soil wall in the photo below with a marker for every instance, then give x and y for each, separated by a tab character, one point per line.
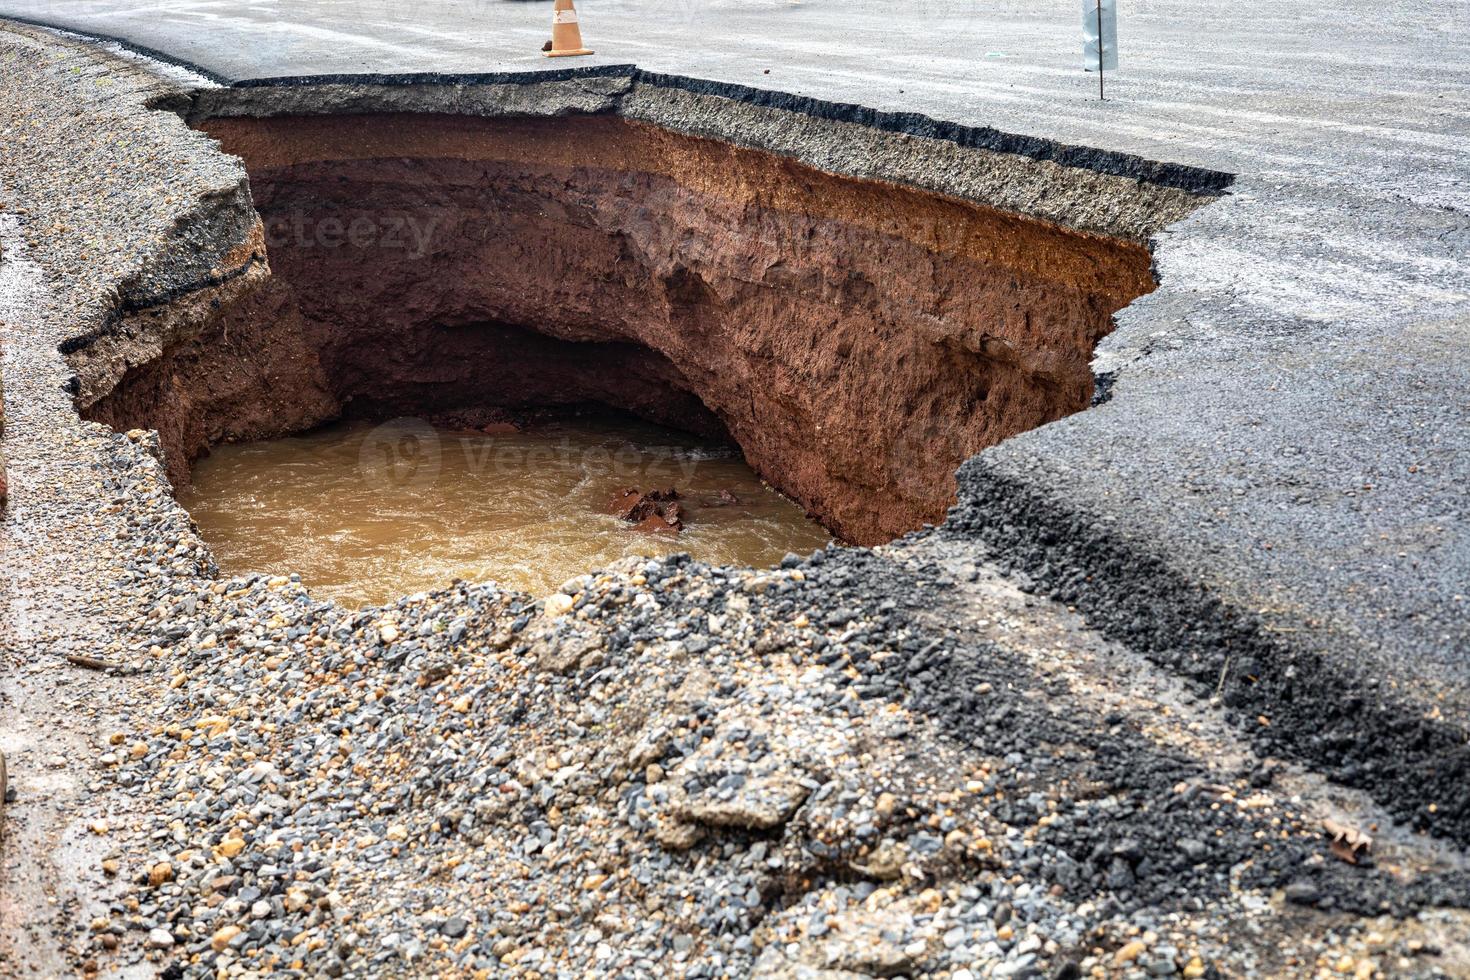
857	339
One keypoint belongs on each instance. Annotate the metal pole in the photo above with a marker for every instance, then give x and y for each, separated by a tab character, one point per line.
1100	96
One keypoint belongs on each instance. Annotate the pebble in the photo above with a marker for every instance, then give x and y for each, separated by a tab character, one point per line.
222	937
1129	952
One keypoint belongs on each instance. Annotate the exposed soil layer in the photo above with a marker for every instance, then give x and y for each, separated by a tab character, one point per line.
248	374
856	339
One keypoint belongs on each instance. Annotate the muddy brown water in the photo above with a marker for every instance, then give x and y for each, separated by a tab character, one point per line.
367	513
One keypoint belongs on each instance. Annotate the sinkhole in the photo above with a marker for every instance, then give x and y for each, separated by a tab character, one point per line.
730	322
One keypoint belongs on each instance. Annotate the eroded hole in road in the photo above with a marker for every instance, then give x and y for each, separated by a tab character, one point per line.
855	340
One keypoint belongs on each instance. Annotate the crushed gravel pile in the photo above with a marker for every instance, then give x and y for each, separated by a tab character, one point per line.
672	769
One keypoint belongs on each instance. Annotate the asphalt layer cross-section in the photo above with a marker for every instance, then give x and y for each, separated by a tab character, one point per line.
1275	488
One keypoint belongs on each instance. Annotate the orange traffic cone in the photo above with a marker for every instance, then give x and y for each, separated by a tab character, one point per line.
566	36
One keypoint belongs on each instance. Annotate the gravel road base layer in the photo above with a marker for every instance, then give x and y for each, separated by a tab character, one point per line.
911	760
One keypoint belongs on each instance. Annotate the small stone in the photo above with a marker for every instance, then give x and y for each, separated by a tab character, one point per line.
160	938
160	874
221	939
229	847
1302	893
886	803
677	835
557	605
1129	952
